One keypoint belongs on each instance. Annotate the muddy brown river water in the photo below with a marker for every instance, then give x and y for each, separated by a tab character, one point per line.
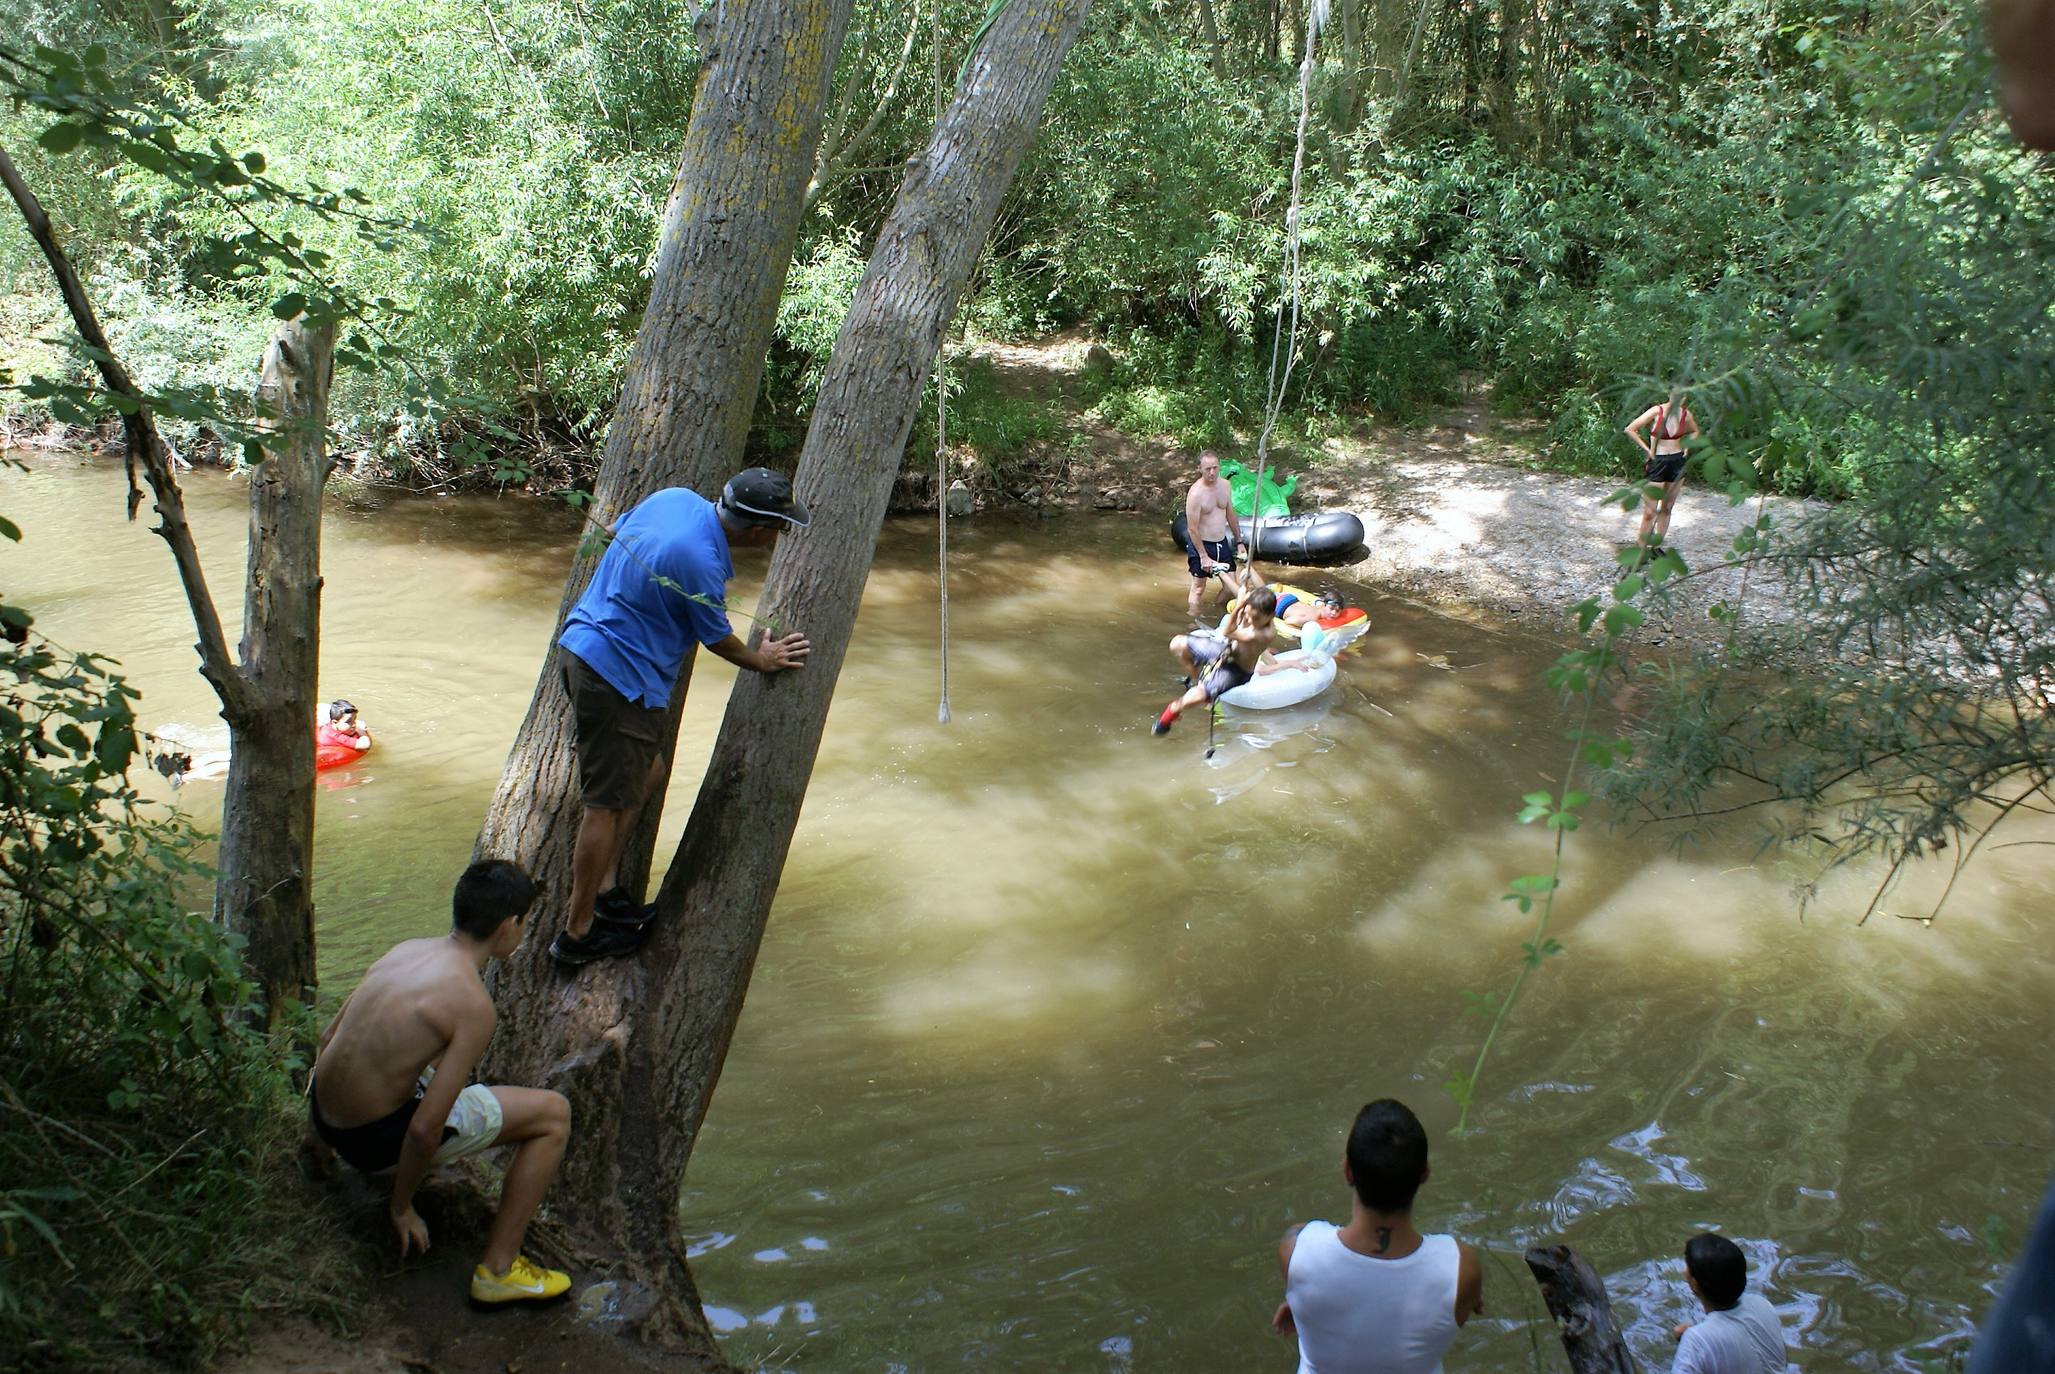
1057	1026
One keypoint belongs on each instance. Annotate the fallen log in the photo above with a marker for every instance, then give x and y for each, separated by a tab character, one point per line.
1576	1299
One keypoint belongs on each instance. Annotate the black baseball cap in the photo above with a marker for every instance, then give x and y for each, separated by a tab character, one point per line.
759	496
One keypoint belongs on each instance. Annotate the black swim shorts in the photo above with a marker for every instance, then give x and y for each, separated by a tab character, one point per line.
1664	467
615	739
1217	551
374	1146
1210	657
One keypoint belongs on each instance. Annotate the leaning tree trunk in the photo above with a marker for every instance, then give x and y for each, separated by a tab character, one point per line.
272	912
729	228
639	1044
725	244
267	811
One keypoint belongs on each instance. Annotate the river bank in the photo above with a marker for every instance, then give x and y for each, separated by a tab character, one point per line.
1459	512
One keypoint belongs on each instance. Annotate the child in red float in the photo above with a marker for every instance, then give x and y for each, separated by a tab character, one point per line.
340	738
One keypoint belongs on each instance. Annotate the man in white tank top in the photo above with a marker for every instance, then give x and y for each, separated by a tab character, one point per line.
1376	1296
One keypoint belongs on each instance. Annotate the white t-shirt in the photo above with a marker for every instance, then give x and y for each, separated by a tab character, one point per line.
1746	1338
1357	1314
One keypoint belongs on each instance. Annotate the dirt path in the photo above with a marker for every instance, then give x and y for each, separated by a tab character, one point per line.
416	1317
1456	512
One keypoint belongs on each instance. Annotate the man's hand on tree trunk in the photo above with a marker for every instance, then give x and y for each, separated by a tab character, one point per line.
774	655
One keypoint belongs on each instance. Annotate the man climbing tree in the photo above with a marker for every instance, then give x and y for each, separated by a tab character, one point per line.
659	591
638	1044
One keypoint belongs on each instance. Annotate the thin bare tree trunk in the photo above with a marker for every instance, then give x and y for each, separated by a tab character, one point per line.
263	891
839	147
682	419
1404	80
1209	27
638	1044
267	813
1351	65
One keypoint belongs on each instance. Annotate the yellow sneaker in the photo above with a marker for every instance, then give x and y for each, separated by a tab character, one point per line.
527	1281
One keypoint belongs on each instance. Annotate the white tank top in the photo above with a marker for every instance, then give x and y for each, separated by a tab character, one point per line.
1360	1315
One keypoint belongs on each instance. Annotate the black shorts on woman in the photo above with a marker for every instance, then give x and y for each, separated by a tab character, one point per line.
1665	467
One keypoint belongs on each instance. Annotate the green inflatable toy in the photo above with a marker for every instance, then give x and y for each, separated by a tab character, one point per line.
1242	483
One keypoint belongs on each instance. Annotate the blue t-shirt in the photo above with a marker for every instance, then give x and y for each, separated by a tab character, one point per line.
632	628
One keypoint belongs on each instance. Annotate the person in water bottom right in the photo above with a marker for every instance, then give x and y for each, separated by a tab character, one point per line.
1740	1333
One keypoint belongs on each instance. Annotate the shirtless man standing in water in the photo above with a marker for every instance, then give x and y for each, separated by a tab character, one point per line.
1209	515
391	1090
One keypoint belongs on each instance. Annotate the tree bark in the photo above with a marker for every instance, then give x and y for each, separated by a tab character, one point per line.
683	415
1576	1299
718	892
267	815
1351	66
639	1044
726	243
1209	28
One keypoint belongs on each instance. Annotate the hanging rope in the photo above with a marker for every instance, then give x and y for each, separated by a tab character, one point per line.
942	509
1316	20
942	398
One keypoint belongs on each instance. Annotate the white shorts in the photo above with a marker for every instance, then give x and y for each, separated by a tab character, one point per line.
476	1118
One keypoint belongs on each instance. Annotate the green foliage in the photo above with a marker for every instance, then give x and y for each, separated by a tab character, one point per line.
997	424
1618	203
1196	386
141	1117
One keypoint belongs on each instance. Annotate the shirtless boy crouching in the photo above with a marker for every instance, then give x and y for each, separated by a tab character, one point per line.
391	1090
1217	662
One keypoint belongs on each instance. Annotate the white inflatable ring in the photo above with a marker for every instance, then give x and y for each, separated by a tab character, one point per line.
1288	686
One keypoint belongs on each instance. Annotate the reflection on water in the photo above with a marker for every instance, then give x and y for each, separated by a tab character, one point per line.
1057	1025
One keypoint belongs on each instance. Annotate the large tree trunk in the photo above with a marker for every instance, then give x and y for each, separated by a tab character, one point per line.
726	243
267	813
717	894
639	1044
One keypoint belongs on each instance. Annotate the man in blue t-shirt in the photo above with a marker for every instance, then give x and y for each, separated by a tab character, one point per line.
660	588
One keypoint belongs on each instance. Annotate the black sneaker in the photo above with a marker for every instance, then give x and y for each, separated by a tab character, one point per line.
604	941
616	908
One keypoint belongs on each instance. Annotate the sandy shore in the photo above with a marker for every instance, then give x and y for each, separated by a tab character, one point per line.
1457	512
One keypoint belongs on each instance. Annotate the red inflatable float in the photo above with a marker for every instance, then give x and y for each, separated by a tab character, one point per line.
336	755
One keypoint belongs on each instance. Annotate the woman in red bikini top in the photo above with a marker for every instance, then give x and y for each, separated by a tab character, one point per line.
1668	426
